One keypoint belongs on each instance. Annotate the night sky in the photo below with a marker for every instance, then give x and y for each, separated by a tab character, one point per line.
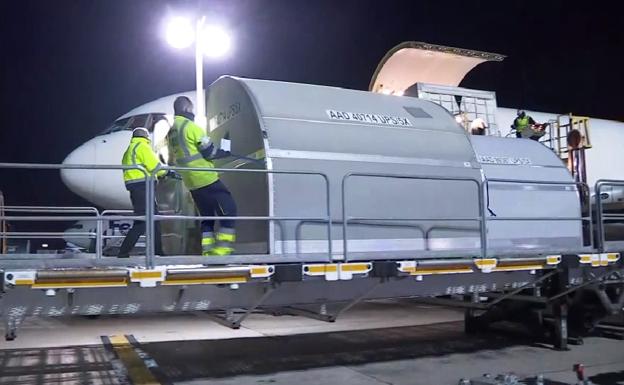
69	68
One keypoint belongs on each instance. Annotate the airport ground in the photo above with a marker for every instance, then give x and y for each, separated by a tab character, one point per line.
384	342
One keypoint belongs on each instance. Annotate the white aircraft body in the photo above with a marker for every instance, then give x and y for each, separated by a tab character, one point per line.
403	66
105	188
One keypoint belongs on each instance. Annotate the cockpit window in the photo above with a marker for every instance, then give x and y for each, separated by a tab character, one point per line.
144	120
119	125
138	121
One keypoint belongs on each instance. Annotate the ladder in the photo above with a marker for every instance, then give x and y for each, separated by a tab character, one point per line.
568	136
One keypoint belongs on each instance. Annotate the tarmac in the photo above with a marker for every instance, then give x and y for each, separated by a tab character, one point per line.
383	342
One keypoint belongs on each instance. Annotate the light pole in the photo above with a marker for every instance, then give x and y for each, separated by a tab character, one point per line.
200	104
210	40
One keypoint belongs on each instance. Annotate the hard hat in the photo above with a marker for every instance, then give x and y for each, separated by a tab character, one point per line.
140	132
521	112
182	104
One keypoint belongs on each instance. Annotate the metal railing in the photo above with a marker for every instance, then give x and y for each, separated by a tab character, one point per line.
74	213
577	185
483	218
150	213
601	217
346	219
150	217
97	217
48	210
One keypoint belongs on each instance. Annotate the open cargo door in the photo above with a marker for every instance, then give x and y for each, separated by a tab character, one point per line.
414	62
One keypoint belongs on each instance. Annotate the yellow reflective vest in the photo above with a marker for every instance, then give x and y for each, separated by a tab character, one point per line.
186	139
522	123
140	153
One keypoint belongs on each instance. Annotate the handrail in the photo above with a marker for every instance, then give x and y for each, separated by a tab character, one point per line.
41	218
328	217
98	218
526	182
480	192
50	209
47	210
600	216
598	241
106	212
482	217
44	234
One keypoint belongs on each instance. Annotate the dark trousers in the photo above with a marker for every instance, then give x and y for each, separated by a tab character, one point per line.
137	196
215	199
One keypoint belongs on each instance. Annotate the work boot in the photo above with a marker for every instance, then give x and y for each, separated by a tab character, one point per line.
208	243
225	240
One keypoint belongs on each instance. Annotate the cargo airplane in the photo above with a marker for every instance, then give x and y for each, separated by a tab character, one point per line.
409	69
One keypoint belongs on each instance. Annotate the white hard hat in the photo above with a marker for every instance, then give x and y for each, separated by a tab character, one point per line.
140	132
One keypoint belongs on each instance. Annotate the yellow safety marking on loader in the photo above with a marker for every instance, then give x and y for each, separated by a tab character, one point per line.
426	271
553	259
597	260
261	271
613	257
146	274
585	258
206	281
138	372
355	267
459	270
412	268
519	267
486	263
330	271
437	270
148	278
406	266
71	284
24	278
320	269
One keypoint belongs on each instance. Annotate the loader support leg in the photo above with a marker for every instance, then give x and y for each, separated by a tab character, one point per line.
560	311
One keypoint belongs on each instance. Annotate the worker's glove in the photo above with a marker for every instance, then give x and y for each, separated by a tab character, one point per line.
224	148
221	154
207	149
173	175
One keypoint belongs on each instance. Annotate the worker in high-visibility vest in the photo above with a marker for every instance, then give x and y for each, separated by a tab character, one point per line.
139	153
522	123
190	146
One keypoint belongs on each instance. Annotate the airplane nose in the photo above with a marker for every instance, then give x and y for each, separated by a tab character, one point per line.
81	182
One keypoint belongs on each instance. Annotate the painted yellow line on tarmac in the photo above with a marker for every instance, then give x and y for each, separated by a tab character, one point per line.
137	371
